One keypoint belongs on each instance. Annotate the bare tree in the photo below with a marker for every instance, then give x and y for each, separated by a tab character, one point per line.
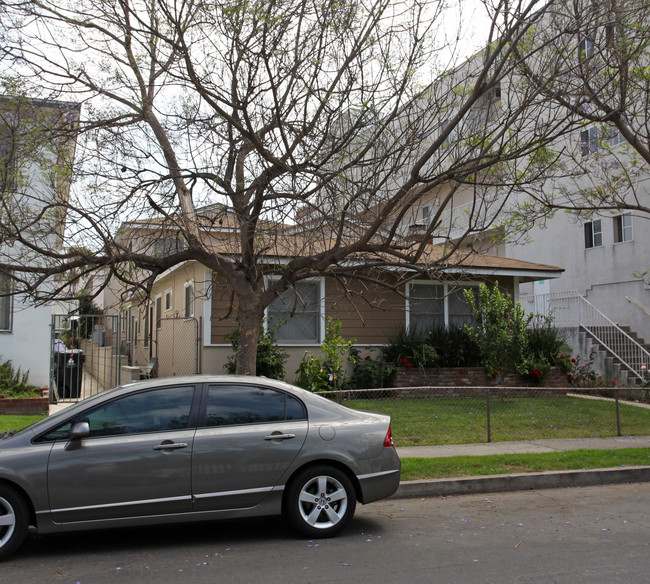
278	140
601	53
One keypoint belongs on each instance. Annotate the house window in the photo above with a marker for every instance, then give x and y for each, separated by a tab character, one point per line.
623	228
189	299
593	234
589	141
459	312
168	300
6	304
297	315
426	307
158	314
146	333
167	246
432	306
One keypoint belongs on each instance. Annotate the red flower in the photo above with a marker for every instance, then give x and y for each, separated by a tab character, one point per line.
409	365
368	358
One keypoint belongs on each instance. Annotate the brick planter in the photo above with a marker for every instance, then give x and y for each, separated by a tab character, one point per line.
470	377
26	406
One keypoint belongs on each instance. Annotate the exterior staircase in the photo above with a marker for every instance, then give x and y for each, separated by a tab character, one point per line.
626	356
622	358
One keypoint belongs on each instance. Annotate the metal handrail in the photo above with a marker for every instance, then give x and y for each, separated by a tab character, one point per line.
572	309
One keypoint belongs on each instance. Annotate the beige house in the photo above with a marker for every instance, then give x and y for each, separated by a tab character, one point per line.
183	326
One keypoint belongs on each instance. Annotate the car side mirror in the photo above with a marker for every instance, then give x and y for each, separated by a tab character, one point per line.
79	430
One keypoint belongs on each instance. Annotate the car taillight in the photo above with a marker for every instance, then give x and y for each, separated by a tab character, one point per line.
388	441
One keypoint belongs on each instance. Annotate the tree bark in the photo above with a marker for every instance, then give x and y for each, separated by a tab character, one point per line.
251	317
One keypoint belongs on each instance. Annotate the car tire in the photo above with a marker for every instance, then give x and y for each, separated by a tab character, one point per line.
14	521
320	501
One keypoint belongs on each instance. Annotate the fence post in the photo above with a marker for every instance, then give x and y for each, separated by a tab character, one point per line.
489	423
618	414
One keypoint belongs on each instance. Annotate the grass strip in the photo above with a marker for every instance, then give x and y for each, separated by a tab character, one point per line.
464	466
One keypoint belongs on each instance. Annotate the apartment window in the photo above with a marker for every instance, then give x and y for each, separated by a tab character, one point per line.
593	234
449	140
427	213
623	228
587	48
6	304
7	160
616	138
613	34
296	315
589	141
189	300
168	300
432	306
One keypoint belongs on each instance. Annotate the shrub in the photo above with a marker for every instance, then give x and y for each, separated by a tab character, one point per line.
327	370
454	347
370	372
410	347
501	329
270	358
544	340
15	383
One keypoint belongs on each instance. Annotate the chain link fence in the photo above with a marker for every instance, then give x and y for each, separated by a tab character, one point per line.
424	416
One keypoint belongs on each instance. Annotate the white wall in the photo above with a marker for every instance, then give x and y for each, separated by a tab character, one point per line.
28	346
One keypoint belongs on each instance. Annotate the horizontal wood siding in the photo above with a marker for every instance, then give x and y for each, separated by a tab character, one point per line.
224	312
368	313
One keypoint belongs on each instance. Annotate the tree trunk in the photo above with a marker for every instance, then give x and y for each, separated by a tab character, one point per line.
251	317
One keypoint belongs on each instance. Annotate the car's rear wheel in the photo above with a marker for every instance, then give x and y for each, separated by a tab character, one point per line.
14	521
320	501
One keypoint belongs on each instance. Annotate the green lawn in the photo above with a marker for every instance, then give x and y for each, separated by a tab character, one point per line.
9	422
461	466
431	421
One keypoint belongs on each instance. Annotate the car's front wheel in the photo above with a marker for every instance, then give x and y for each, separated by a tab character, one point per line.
320	501
14	521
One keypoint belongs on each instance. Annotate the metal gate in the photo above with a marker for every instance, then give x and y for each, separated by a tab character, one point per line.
85	357
177	347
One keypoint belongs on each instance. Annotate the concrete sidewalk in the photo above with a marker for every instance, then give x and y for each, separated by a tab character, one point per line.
524	447
523	481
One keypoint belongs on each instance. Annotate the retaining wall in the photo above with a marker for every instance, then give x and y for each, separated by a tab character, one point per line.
470	377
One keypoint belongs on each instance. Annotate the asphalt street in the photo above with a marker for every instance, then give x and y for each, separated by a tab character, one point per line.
594	535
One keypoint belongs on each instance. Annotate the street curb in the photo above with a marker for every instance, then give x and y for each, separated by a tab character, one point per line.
521	482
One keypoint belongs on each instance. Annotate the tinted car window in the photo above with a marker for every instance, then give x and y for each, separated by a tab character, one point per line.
242	404
151	411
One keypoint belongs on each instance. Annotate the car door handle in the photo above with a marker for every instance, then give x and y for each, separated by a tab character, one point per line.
279	436
170	446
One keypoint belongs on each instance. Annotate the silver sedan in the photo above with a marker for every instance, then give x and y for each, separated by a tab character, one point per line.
192	449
